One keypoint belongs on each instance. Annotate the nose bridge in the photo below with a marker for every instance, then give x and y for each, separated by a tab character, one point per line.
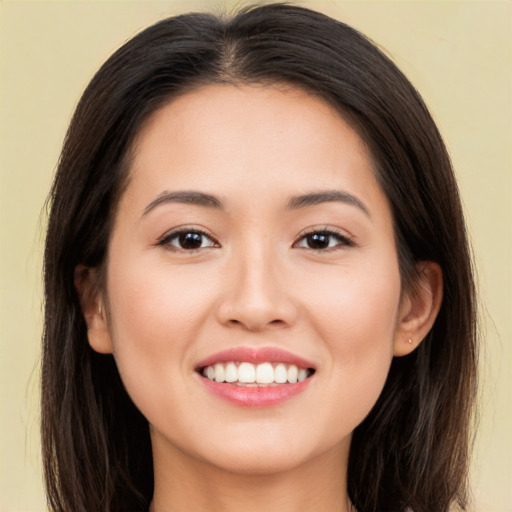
256	296
256	279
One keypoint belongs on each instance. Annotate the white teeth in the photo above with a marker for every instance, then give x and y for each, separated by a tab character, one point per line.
264	373
293	373
231	372
220	373
248	374
280	374
302	375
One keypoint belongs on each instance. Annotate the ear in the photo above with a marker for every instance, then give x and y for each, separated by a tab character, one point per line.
93	309
419	308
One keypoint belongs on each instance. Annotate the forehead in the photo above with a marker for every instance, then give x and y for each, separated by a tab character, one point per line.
249	139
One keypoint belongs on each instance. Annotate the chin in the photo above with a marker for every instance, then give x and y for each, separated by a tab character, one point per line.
258	462
266	453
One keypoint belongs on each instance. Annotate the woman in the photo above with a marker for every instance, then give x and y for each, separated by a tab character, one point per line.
258	283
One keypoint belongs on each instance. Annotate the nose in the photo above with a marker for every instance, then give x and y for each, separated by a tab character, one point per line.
257	295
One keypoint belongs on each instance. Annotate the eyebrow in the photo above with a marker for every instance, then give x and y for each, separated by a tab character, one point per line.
185	197
295	203
327	196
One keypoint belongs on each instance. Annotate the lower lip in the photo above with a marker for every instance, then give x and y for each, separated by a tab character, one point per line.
247	396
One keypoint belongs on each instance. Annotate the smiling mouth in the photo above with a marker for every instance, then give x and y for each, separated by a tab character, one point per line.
255	375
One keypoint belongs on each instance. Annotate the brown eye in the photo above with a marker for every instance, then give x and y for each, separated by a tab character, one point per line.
190	240
318	241
187	240
322	240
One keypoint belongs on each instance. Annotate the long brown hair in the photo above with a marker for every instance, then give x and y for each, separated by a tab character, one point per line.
411	452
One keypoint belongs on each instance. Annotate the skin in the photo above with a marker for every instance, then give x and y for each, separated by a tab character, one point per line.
254	282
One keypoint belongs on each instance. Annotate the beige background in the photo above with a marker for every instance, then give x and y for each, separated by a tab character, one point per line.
457	53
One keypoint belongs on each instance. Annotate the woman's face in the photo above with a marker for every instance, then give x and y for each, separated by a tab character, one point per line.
253	238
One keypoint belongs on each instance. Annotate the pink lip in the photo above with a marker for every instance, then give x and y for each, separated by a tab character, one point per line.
255	356
244	396
247	396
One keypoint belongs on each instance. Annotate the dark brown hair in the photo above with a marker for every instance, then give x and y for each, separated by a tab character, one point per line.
411	452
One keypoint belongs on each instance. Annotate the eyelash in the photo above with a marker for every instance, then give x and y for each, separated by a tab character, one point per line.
342	240
165	241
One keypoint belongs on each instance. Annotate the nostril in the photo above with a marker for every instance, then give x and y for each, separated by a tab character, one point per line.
277	323
253	324
255	306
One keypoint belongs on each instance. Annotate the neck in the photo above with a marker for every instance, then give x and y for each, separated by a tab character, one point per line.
183	483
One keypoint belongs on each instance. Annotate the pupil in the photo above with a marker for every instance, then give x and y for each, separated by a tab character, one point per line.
190	240
318	241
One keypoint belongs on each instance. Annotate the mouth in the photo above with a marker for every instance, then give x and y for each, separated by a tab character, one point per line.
256	375
250	377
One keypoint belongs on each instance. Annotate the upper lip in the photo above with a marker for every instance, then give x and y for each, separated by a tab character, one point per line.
255	356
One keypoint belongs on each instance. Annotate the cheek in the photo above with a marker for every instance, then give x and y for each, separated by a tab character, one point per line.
356	304
356	316
155	316
154	301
